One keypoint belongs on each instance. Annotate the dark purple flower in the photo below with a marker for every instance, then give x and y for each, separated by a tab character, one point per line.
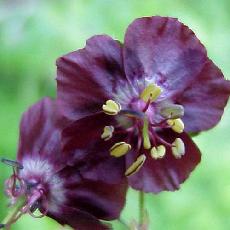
135	103
42	179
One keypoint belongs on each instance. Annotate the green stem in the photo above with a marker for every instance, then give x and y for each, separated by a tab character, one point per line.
141	207
14	213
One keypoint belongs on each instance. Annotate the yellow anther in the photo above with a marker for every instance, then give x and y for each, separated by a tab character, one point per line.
119	149
177	125
107	133
151	92
178	148
158	152
136	165
111	107
172	111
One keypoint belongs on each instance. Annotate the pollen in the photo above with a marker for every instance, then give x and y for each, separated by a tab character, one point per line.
178	149
111	107
119	149
177	125
158	152
136	165
151	92
107	133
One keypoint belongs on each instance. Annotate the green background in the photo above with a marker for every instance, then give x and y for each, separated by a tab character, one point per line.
34	33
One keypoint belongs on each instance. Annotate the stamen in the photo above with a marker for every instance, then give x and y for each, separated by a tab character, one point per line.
15	186
172	111
111	107
119	149
177	125
145	134
136	165
11	163
107	133
156	137
158	152
151	92
178	150
36	207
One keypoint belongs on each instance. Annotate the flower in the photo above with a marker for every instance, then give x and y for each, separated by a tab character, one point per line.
43	181
142	99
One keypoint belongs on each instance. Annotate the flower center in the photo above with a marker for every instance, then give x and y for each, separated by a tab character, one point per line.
138	120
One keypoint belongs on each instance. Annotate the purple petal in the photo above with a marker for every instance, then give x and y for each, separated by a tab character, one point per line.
164	51
204	100
102	200
77	219
84	131
39	133
83	144
168	173
86	77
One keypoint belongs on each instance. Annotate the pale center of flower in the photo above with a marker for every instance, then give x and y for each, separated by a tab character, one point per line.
139	122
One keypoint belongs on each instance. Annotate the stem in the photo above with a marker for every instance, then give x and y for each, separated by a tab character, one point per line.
14	214
141	207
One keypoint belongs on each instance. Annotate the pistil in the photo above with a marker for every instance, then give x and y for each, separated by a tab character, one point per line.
145	135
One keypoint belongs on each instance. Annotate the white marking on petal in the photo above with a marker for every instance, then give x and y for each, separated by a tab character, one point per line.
35	166
57	194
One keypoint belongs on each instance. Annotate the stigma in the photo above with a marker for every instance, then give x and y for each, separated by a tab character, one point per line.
137	121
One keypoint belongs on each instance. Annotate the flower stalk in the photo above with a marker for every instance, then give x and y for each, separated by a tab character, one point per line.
141	207
15	213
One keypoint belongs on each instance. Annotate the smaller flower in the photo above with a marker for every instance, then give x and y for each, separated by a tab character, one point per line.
42	180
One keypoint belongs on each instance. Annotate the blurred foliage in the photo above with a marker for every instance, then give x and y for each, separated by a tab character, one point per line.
34	33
